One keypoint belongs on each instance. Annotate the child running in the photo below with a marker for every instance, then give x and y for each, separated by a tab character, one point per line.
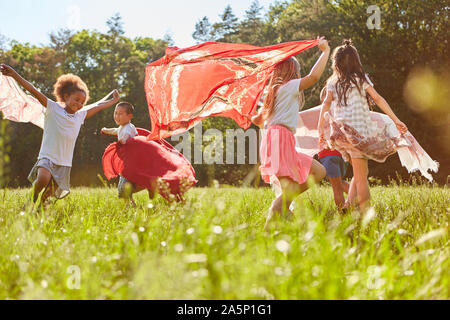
122	116
345	123
336	168
141	163
62	123
279	159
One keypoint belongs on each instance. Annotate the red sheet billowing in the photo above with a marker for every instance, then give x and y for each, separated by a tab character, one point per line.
210	79
143	162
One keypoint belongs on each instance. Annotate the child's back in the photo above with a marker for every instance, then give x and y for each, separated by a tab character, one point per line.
352	110
287	105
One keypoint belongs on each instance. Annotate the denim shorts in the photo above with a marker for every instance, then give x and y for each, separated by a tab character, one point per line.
126	188
335	165
60	174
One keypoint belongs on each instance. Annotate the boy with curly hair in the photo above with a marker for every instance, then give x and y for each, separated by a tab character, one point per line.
62	123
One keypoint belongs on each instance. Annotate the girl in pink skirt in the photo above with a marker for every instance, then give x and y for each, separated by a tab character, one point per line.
345	123
281	164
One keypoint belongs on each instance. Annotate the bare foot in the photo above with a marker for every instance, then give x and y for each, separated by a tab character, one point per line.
273	215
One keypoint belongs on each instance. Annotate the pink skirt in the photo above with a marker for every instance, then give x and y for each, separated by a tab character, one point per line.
279	157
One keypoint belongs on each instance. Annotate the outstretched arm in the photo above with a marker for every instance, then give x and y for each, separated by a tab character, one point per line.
382	103
102	104
319	67
10	72
110	131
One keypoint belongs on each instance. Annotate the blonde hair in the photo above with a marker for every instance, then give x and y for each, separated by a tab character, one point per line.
283	72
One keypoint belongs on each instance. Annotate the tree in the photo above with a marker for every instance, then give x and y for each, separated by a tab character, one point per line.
60	39
115	25
251	29
168	39
226	29
203	31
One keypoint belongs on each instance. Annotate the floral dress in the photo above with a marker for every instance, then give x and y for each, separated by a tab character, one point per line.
350	130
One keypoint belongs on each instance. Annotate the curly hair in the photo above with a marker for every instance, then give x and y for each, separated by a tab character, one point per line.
68	84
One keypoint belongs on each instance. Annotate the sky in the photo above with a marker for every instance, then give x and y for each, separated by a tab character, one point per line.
32	20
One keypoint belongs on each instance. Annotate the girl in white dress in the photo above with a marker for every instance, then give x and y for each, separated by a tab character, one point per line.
345	123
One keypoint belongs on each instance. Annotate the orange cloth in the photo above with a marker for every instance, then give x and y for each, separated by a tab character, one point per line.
210	79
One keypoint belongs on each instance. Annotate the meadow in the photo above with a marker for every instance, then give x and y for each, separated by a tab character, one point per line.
88	246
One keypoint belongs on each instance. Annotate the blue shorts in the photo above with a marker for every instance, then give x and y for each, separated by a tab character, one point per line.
335	165
126	188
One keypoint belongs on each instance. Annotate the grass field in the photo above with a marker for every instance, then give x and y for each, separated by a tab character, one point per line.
213	247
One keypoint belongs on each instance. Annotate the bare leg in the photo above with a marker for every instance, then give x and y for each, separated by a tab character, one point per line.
345	186
361	171
318	171
43	179
291	190
338	191
151	194
352	194
49	190
279	205
132	203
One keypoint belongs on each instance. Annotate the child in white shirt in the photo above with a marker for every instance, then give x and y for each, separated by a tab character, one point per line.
122	116
63	119
126	130
281	164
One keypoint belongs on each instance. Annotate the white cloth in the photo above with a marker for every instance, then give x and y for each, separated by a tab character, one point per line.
286	106
413	158
61	131
126	132
18	106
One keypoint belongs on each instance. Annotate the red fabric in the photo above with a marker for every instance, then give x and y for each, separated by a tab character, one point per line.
210	79
142	162
327	152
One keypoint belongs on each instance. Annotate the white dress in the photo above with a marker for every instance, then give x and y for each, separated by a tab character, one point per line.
350	129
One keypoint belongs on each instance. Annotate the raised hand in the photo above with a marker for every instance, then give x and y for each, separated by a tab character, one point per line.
323	44
116	95
7	70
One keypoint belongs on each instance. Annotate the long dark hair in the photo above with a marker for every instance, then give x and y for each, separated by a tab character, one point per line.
348	70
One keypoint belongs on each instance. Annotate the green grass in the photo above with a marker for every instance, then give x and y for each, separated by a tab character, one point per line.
213	247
